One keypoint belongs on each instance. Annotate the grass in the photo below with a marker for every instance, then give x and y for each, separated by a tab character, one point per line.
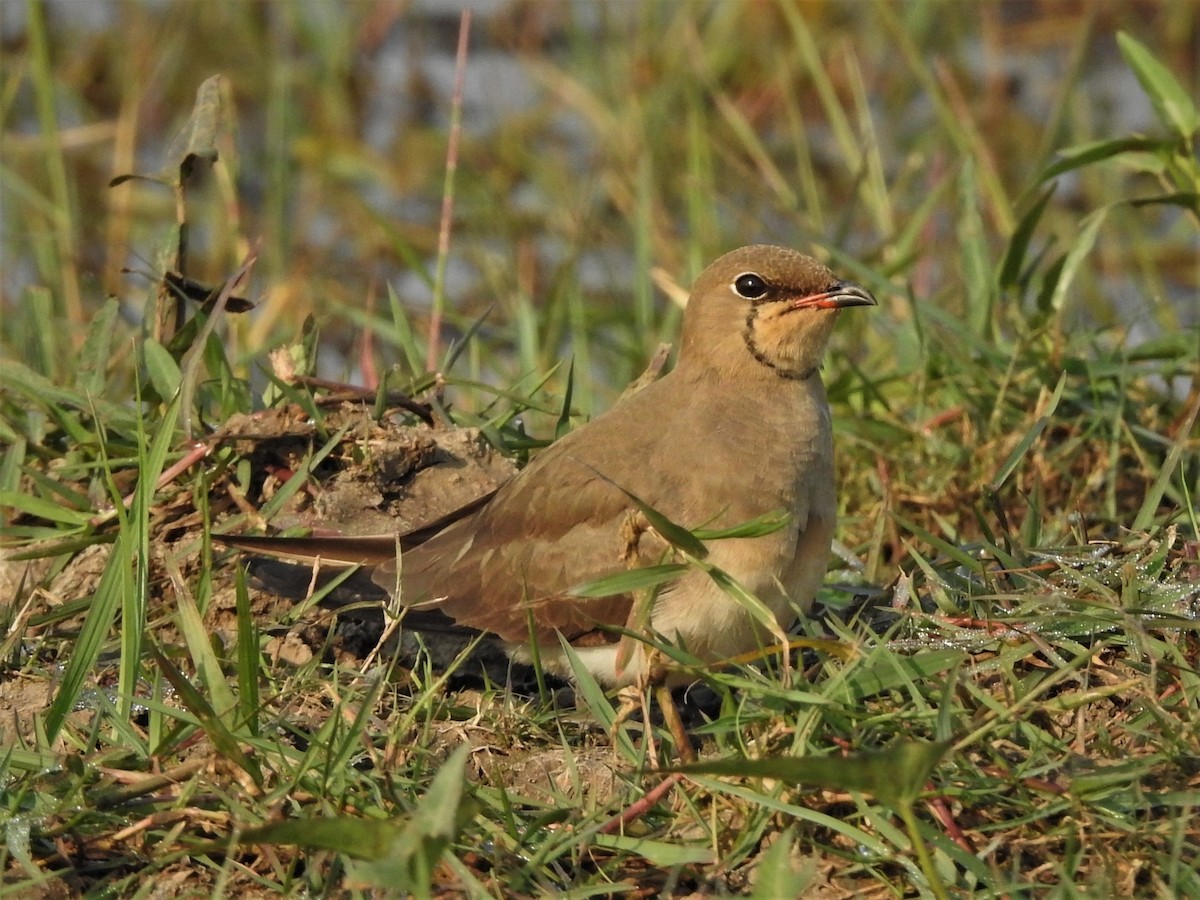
1000	696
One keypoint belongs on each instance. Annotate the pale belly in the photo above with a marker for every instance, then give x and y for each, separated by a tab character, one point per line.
784	571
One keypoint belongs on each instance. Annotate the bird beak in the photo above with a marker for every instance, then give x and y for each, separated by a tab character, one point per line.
843	293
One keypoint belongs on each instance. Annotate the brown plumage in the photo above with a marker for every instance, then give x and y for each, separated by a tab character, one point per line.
739	429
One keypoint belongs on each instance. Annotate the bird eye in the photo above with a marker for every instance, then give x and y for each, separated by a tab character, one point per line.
750	286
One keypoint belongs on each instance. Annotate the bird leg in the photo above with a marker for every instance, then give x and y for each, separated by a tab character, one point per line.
653	673
635	697
674	723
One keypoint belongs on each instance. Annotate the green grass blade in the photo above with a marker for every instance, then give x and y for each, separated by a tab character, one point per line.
135	603
640	579
895	775
116	584
248	657
1174	105
1154	495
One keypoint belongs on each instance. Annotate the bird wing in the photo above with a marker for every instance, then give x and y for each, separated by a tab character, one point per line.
563	521
513	564
509	562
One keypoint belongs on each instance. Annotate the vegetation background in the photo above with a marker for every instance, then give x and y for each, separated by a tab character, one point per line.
1013	690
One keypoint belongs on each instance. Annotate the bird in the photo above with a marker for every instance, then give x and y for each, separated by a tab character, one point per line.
739	429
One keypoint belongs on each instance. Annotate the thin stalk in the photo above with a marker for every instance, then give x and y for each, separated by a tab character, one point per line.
439	279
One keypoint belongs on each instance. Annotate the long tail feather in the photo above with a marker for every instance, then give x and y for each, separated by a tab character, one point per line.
349	550
343	550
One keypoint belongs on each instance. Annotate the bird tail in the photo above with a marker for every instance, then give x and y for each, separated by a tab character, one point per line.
298	568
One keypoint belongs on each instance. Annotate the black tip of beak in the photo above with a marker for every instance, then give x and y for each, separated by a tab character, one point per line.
840	294
847	293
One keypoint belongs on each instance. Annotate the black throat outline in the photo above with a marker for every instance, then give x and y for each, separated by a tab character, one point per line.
757	353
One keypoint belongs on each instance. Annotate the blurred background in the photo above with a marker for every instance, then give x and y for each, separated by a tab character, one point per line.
608	151
1016	182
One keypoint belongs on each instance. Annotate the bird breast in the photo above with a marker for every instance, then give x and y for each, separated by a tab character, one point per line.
785	568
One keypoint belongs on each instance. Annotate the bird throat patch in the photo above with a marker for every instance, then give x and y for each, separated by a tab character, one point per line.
758	354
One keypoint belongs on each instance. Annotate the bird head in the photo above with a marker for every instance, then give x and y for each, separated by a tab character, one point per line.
764	306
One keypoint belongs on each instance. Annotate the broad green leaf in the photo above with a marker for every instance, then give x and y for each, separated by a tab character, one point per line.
1100	779
12	463
48	487
1079	251
658	853
774	876
115	583
895	775
358	838
355	837
675	535
1018	244
416	849
153	450
1174	105
956	553
247	654
45	394
1173	346
43	509
890	671
1186	199
161	368
630	581
756	527
191	625
1071	158
96	352
398	331
589	690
